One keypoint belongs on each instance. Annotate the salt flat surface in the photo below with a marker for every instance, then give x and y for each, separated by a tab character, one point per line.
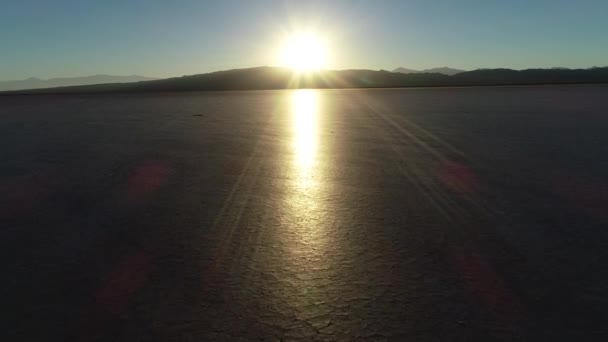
309	215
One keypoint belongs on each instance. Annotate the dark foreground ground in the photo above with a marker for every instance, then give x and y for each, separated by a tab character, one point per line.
350	215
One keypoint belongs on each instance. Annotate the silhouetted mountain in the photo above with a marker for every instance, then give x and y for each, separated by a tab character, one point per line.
281	78
36	83
442	70
405	70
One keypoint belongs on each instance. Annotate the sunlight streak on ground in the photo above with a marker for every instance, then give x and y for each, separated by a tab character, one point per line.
305	108
305	197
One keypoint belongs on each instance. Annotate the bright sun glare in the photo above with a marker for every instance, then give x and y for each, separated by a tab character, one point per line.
305	52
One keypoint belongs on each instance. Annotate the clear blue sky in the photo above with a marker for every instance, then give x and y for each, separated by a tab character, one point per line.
65	38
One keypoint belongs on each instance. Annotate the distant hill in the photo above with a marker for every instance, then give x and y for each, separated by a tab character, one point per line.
36	83
442	70
406	71
282	78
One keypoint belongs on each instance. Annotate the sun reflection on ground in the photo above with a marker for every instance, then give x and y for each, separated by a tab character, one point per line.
305	111
305	196
306	230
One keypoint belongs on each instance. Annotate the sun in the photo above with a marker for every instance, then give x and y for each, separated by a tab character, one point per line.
304	52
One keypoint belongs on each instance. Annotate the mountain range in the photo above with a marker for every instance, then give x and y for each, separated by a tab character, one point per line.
36	83
281	78
441	70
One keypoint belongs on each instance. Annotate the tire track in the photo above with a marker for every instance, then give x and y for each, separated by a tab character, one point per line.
461	240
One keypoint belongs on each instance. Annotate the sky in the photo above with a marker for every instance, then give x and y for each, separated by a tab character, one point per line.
65	38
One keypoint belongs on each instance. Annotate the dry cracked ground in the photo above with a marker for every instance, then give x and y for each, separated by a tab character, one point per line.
459	214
